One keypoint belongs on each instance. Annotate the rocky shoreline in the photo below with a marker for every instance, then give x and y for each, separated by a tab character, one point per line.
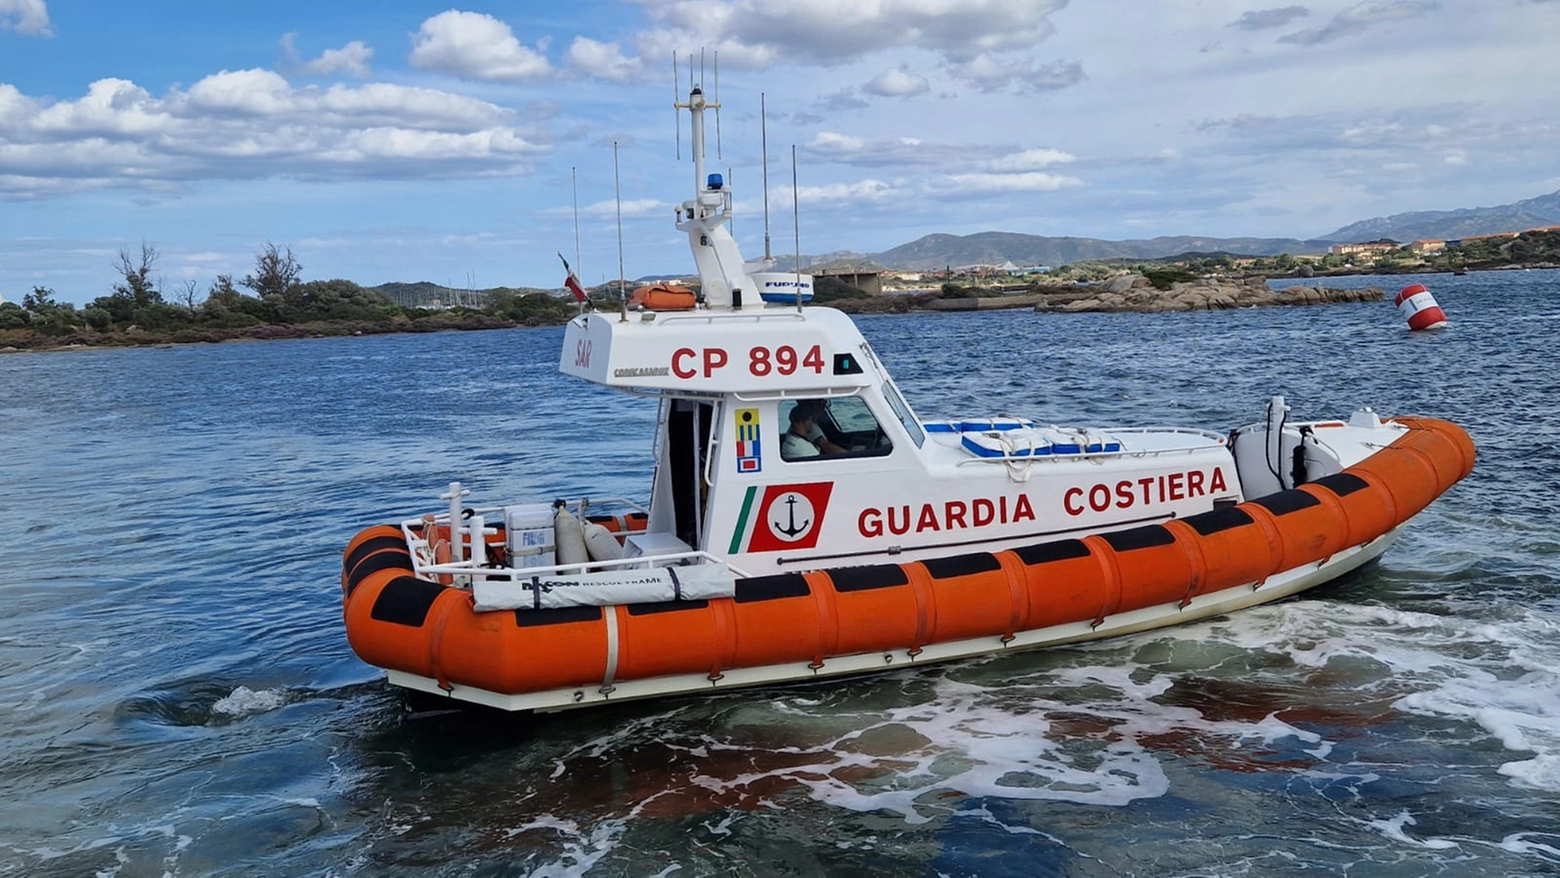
1134	293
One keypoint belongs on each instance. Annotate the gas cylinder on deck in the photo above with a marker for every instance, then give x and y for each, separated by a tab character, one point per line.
1419	308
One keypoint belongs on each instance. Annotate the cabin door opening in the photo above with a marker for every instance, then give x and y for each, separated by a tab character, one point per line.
688	435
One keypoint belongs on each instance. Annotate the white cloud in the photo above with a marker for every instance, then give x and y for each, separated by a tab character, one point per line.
1032	181
1360	17
111	107
982	42
1373	131
633	208
868	190
1434	144
989	74
830	31
1030	160
384	104
990	169
915	152
251	124
13	104
240	92
897	83
206	257
832	142
758	34
1262	19
601	60
406	145
352	59
842	100
25	17
847	149
476	46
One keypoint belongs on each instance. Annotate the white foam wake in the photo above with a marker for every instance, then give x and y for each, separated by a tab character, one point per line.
244	701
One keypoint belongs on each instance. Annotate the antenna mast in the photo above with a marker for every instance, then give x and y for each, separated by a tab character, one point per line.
723	274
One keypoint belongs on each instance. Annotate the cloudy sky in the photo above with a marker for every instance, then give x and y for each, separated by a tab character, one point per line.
413	143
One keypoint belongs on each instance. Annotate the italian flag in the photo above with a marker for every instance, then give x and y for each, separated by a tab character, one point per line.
572	282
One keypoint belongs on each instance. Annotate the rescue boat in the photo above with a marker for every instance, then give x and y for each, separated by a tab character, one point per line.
869	538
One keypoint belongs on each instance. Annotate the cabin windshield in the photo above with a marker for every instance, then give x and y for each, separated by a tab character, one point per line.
902	411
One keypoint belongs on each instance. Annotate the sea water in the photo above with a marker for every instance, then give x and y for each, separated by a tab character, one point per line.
178	696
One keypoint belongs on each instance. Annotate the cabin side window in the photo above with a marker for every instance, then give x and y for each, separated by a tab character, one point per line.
829	429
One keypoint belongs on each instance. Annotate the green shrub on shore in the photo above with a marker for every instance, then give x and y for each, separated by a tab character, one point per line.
1165	278
279	304
831	289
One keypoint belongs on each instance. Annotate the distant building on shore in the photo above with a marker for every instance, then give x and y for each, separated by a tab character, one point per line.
1426	246
870	282
1369	248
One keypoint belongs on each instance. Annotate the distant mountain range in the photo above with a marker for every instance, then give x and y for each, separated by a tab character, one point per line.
996	248
935	252
938	251
1521	216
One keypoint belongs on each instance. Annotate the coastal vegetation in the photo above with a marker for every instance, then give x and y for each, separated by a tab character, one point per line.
274	301
1537	249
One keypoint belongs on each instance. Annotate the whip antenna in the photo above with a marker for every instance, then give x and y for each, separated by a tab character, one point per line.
617	186
575	184
796	222
676	116
763	136
718	156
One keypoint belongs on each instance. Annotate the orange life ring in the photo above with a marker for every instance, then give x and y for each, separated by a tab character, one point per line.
663	297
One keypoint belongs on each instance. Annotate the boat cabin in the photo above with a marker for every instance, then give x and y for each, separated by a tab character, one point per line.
880	484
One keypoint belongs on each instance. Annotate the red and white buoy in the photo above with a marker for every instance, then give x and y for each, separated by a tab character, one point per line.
1418	307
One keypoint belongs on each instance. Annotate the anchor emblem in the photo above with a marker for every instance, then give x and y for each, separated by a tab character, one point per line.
790	517
790	530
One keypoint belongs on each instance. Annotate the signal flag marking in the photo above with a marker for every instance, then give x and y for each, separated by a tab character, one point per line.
749	453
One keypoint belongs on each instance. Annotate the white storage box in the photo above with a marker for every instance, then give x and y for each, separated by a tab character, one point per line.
636	545
529	530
